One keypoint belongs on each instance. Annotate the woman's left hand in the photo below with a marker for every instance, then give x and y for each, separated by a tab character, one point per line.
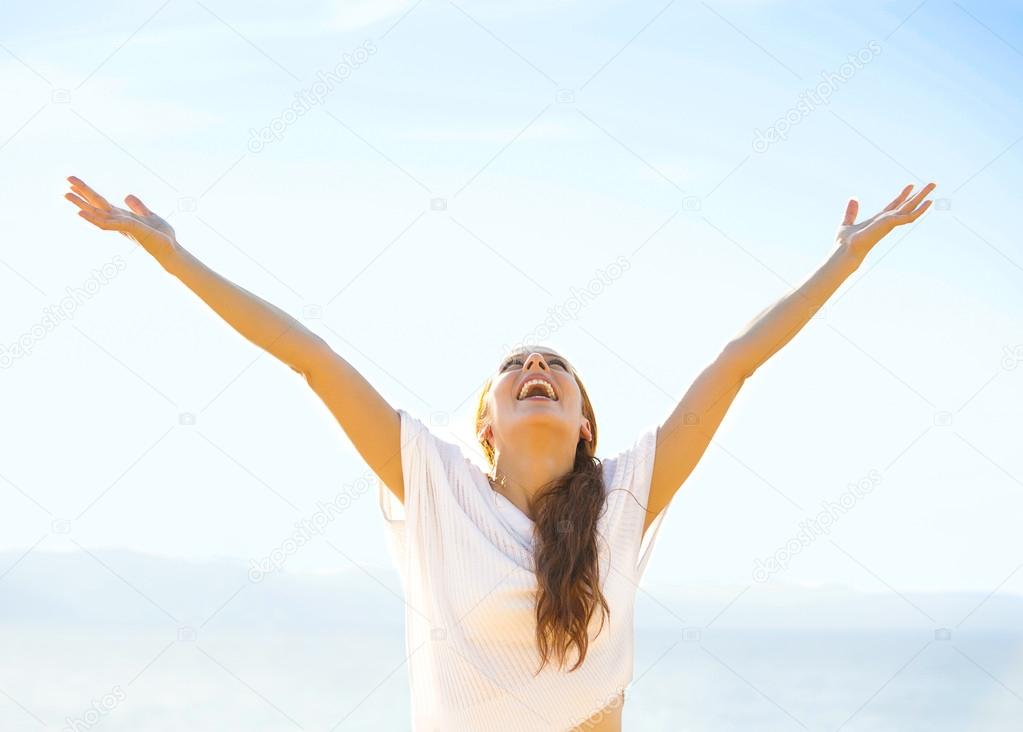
860	238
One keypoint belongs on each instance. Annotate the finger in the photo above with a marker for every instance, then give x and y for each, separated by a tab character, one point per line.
136	205
92	197
915	200
81	203
79	186
900	219
916	214
97	218
898	199
851	209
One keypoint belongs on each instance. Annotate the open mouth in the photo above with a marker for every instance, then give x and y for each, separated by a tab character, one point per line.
537	389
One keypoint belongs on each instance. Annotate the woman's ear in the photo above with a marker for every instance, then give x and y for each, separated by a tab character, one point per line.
585	432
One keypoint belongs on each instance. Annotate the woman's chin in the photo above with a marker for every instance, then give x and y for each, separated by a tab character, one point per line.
536	413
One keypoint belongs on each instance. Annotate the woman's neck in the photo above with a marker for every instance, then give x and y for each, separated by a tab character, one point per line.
519	475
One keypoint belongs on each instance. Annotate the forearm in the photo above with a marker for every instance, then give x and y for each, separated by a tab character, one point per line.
265	325
778	324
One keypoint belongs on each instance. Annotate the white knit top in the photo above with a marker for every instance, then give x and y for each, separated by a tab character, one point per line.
464	553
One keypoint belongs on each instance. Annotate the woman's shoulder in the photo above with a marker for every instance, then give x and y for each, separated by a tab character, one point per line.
630	466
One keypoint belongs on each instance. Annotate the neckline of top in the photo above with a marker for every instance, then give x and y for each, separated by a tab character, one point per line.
506	510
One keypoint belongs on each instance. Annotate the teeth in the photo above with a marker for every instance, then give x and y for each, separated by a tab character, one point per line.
532	382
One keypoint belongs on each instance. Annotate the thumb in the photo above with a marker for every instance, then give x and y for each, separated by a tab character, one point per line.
136	205
851	210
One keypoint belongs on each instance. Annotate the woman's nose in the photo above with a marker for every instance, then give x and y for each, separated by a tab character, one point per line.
535	359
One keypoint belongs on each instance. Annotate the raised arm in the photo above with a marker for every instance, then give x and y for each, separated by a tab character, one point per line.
685	435
367	419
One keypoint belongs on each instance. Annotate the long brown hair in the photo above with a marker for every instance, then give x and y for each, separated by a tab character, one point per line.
565	544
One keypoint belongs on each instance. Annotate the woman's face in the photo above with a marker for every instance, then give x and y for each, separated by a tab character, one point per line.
536	389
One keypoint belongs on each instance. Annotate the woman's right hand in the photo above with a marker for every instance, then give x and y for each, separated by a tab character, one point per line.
140	224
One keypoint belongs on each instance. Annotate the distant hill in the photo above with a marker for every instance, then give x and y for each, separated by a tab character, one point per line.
127	589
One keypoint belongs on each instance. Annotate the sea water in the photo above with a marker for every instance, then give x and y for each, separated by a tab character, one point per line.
103	678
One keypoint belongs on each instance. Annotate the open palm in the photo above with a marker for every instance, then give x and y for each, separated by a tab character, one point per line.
860	238
137	223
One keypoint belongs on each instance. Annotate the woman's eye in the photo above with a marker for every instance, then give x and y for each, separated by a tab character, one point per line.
552	361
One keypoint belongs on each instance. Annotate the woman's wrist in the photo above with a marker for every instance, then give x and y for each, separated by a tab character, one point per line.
170	256
850	257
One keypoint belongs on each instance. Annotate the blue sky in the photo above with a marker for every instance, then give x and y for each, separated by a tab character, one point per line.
475	171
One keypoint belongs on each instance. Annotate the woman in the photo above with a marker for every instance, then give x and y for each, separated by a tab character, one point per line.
520	582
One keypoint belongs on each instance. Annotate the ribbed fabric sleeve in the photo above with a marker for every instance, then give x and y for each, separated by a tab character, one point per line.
470	590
